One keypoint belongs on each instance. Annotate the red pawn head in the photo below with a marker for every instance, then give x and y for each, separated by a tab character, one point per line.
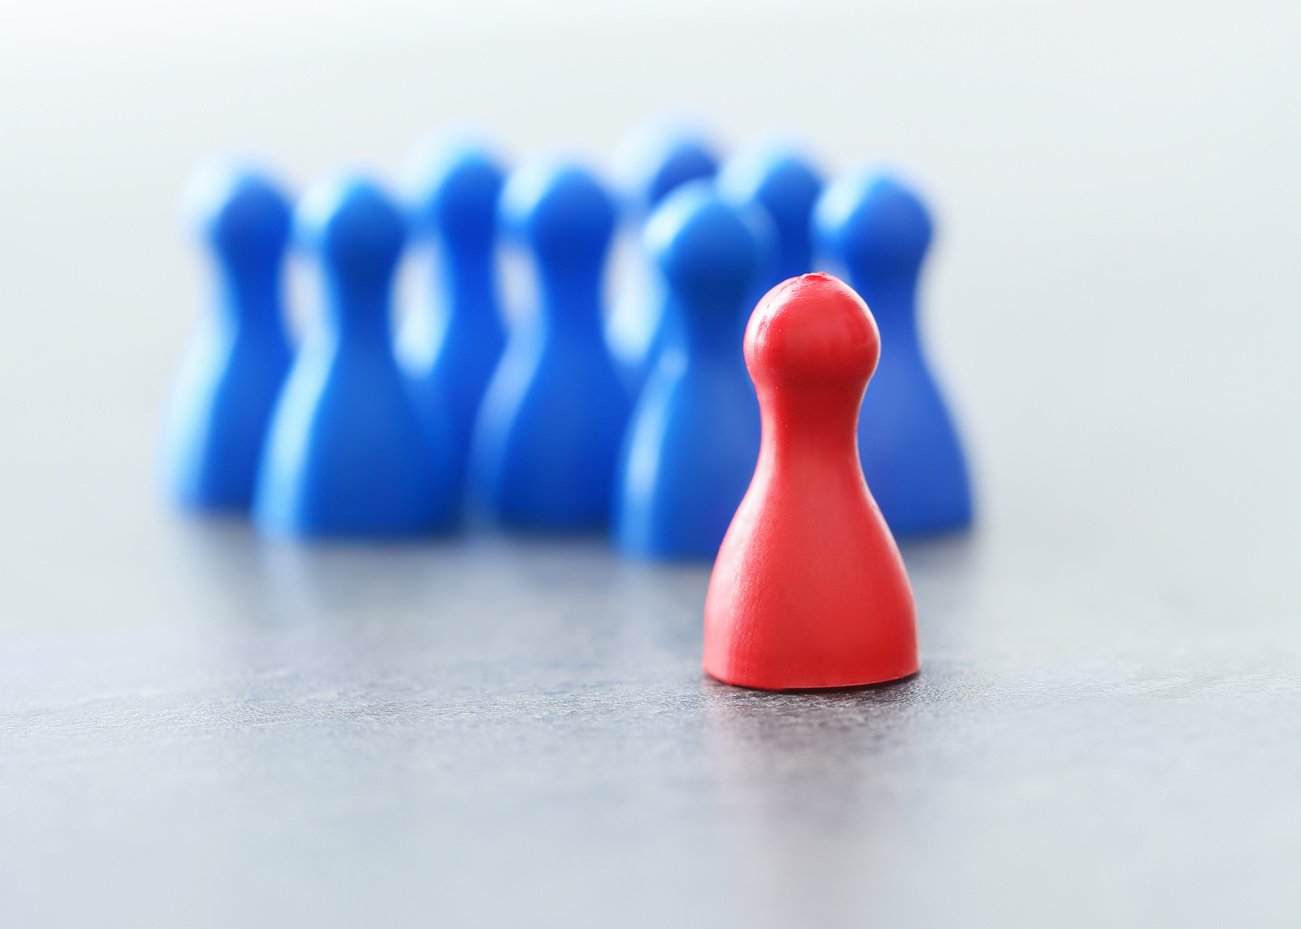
809	590
811	346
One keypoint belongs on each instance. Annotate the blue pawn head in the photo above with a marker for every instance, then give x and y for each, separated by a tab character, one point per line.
878	228
658	160
708	249
786	186
355	229
241	214
561	212
457	189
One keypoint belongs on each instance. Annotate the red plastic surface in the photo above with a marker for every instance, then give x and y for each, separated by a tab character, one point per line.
809	590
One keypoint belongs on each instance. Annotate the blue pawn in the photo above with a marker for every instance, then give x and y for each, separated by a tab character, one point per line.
694	437
348	455
450	349
878	229
237	362
553	419
657	161
785	185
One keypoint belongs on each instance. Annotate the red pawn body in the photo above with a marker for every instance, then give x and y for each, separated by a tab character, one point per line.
809	590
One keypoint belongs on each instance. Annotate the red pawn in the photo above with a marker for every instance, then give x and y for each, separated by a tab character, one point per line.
809	589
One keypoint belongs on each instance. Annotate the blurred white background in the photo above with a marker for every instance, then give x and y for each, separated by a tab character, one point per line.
1112	301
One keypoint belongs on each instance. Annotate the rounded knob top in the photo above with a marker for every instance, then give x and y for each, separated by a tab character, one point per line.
812	329
659	160
457	188
706	247
777	178
240	211
560	210
873	220
353	225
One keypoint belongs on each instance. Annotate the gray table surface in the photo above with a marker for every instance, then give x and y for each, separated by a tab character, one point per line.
202	729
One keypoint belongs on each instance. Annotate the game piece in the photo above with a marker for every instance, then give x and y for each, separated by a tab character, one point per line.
450	346
348	455
785	184
654	162
878	230
237	362
553	419
809	589
694	434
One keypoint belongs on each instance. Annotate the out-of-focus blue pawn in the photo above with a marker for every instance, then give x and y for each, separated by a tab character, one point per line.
694	438
348	455
237	362
654	162
451	345
783	183
553	419
878	229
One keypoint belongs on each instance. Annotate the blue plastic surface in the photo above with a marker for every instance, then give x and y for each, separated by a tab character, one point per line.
656	161
784	183
450	346
694	437
549	431
878	230
348	454
237	361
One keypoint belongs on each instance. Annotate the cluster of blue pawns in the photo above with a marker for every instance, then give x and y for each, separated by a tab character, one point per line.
642	419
